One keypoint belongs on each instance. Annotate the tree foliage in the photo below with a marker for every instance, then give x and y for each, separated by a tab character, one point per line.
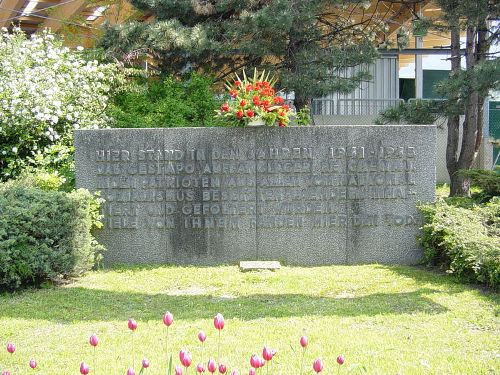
466	89
307	43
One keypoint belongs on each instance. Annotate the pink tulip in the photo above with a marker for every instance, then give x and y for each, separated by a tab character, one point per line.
132	324
222	368
145	363
219	321
201	336
93	340
251	372
84	368
268	353
304	341
182	354
11	348
212	366
130	371
33	363
200	368
178	370
186	358
255	361
168	318
340	359
318	365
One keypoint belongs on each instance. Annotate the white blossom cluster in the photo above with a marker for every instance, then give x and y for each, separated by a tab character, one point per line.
47	90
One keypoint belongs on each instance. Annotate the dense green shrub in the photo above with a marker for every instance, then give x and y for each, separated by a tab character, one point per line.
45	234
414	113
464	239
487	181
166	102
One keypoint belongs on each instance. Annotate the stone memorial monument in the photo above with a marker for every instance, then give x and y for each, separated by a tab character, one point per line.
301	195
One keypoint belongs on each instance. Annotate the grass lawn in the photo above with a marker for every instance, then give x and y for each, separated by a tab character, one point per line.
383	319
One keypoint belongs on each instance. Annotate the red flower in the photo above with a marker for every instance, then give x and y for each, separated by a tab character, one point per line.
282	113
278	100
224	107
285	107
239	114
249	87
265	103
237	83
256	100
250	113
243	103
233	93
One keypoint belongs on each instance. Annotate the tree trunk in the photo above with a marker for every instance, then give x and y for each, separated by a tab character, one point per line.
456	186
470	125
459	185
301	101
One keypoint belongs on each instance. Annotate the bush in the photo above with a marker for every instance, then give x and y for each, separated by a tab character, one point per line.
45	234
463	239
46	91
166	102
413	113
487	181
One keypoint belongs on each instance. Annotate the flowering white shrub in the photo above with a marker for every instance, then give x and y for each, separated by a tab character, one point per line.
46	91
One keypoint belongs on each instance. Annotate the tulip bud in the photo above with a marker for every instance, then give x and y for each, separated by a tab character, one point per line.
168	318
200	368
340	359
93	340
178	370
251	372
201	336
212	366
33	363
132	324
186	358
84	368
267	353
304	341
255	361
11	348
130	371
219	321
318	365
222	368
182	354
145	363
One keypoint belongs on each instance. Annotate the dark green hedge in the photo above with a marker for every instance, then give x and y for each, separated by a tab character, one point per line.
45	235
464	238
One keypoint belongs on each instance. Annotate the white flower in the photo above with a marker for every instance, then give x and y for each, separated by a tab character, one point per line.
14	150
79	48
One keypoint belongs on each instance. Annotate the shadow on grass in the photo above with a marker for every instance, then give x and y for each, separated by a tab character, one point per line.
69	305
425	276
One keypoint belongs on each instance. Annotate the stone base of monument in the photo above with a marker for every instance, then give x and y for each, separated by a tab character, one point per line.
250	265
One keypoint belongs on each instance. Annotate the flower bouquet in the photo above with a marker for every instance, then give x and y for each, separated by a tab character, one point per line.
253	101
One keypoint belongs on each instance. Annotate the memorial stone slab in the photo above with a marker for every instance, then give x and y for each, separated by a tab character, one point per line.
301	195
